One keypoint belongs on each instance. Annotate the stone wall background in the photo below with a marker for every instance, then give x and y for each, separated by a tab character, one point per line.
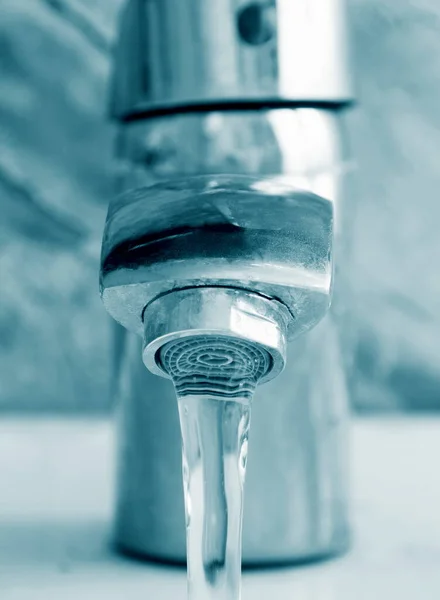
56	178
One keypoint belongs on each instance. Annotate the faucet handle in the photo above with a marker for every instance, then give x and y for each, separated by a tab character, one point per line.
175	55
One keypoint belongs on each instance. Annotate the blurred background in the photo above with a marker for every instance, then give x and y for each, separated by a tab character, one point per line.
56	148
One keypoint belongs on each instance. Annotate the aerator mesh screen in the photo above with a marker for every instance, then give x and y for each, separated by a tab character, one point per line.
220	365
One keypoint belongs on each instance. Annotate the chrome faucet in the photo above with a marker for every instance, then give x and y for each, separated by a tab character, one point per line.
230	161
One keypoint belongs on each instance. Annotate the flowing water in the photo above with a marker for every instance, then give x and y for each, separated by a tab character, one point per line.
214	435
214	378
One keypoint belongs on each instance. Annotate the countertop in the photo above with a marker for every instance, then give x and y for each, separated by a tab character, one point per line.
56	489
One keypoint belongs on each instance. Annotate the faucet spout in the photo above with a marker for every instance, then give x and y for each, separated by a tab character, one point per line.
246	247
217	325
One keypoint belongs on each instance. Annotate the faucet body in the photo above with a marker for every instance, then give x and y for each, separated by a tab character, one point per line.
233	111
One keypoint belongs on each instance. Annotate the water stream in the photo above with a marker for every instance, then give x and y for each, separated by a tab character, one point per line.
215	378
214	452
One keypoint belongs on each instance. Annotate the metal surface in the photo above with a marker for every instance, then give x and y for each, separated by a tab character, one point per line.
296	490
181	54
202	231
215	311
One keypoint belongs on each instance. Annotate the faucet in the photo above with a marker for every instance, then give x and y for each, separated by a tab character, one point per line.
230	157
